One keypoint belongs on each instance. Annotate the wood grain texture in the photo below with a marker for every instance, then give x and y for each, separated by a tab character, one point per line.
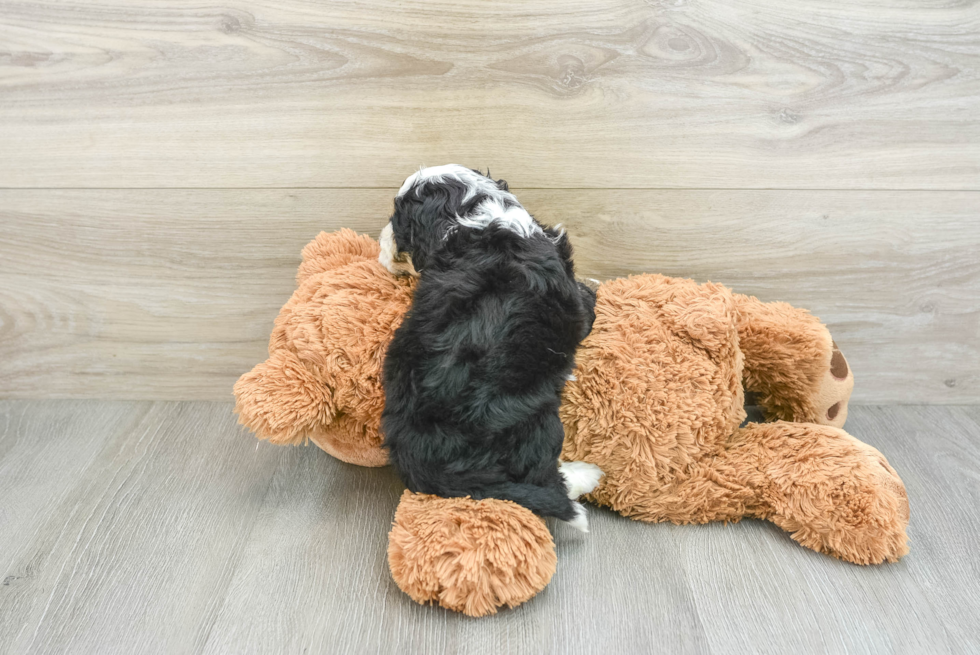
171	294
153	295
137	551
937	452
160	527
557	93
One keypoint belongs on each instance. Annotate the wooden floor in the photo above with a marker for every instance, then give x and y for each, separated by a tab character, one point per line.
131	527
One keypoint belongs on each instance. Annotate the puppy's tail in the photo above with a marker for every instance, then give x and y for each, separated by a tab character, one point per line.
553	498
543	501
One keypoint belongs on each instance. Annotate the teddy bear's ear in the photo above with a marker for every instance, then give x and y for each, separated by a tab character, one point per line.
333	250
282	401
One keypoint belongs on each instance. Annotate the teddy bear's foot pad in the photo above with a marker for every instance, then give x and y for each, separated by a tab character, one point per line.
833	390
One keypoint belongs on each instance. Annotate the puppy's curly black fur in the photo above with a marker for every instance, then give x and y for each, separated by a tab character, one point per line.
473	376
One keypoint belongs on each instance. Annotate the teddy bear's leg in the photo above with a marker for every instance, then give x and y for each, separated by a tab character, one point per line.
470	556
792	363
833	493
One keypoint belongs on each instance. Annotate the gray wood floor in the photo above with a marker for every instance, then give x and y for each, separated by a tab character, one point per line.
161	527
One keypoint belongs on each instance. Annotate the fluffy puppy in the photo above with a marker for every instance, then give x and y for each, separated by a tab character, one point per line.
473	376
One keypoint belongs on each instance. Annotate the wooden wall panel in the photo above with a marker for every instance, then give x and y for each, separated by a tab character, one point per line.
162	162
551	94
171	294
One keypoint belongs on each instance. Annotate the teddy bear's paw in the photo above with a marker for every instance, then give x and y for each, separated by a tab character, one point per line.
832	391
580	477
845	500
870	515
281	399
887	478
581	520
470	556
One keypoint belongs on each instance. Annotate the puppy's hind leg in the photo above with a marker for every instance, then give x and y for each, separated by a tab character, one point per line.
580	477
581	519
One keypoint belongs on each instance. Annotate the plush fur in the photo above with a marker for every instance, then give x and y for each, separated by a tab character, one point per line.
473	377
656	403
471	556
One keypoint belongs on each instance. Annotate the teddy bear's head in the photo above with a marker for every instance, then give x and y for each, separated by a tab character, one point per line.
323	379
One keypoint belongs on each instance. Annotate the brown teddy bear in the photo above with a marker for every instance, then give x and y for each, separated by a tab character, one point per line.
657	403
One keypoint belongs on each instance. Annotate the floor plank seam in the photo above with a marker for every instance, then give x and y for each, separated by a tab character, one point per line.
240	553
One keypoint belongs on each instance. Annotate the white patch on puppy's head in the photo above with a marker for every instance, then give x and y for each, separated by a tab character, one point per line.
474	181
500	206
511	216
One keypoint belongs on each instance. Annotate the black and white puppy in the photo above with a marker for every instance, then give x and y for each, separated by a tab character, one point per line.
473	376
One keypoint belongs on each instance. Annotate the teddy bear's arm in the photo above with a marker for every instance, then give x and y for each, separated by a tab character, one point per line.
281	400
792	364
